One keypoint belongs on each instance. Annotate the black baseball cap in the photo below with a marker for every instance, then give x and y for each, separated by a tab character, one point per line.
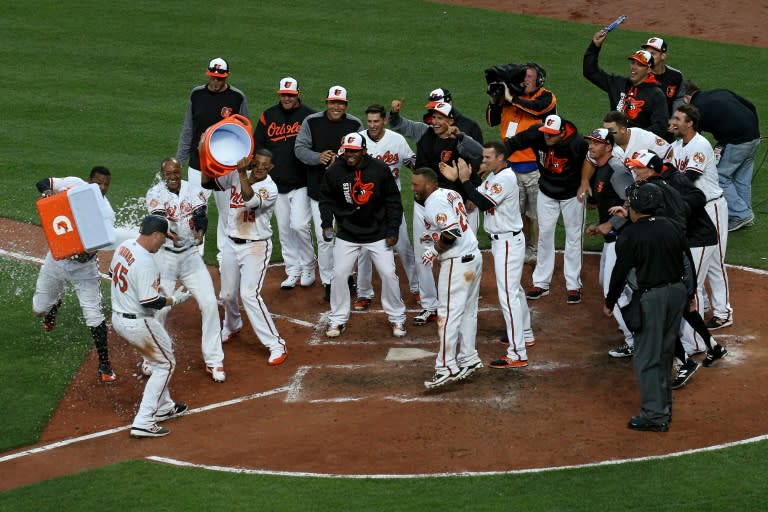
153	224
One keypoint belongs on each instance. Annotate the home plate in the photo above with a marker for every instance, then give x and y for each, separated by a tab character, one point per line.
408	354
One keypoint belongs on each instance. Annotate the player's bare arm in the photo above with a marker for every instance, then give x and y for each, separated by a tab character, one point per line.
245	183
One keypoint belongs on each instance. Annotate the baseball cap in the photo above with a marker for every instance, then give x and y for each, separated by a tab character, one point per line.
218	67
288	85
337	93
552	125
602	135
438	94
153	224
645	158
353	141
656	43
643	57
444	108
645	198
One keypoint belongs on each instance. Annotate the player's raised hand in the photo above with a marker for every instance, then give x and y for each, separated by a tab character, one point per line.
396	105
242	165
465	171
450	172
599	37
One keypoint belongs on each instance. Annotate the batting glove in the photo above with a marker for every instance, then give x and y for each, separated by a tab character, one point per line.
181	295
429	256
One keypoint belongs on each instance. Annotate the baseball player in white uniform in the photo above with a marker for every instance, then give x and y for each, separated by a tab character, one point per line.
248	248
499	198
392	149
184	206
450	239
136	295
629	140
693	155
81	270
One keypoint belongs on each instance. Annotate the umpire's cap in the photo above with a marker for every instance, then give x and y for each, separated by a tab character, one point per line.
645	198
153	224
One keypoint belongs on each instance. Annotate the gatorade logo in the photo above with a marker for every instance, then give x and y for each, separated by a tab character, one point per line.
62	225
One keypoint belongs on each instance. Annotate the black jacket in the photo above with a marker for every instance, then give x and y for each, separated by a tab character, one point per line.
276	131
730	118
699	229
364	200
559	165
644	104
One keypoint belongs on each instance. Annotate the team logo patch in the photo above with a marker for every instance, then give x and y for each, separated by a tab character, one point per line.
671	90
264	193
633	107
361	192
446	155
496	188
660	142
226	112
699	158
440	218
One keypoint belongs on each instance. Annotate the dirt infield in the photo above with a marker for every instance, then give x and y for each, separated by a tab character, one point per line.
338	406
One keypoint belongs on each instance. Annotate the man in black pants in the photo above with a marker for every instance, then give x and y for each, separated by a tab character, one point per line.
654	246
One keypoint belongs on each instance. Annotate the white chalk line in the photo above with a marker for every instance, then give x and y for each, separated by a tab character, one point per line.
96	435
379	476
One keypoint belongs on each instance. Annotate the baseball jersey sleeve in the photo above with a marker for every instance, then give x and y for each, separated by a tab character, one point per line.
61	184
264	196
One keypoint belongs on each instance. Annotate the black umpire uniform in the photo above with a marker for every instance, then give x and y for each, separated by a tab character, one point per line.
654	247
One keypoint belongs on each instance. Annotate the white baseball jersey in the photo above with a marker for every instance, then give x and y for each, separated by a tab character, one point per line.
641	139
177	208
697	156
135	279
445	211
392	149
249	220
502	190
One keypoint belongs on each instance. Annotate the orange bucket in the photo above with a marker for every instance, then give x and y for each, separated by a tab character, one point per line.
223	144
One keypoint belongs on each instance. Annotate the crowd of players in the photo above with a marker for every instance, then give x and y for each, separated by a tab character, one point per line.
646	160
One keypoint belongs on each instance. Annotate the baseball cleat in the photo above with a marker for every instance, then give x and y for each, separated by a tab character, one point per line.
154	431
106	375
290	283
335	330
646	425
227	335
441	379
716	323
361	304
425	317
717	352
175	411
307	278
624	350
536	292
574	297
508	362
277	357
398	330
684	374
466	371
216	373
49	320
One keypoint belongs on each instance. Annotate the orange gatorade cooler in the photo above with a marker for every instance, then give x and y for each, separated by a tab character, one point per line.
73	221
223	144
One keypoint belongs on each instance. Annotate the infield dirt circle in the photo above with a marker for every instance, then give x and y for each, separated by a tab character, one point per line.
340	406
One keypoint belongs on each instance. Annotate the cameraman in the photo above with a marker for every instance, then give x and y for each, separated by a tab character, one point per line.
515	110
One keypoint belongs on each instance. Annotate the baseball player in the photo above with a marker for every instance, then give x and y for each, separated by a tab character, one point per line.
317	145
82	271
464	123
498	197
276	131
361	194
611	181
392	149
638	95
670	79
136	296
442	141
209	104
184	206
561	153
449	238
693	155
629	140
248	248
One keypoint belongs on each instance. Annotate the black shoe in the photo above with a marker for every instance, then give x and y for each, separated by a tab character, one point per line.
177	410
49	320
713	355
684	374
645	425
327	292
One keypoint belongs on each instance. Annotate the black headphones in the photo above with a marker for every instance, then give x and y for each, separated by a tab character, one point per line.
541	73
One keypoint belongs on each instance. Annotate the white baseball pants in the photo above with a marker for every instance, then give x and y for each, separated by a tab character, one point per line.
85	279
324	249
548	211
427	287
508	258
404	249
294	214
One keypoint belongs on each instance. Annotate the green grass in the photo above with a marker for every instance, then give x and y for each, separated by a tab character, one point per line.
683	483
92	83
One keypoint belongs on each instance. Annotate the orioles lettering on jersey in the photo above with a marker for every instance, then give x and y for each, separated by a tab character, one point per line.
357	192
235	198
281	131
554	164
